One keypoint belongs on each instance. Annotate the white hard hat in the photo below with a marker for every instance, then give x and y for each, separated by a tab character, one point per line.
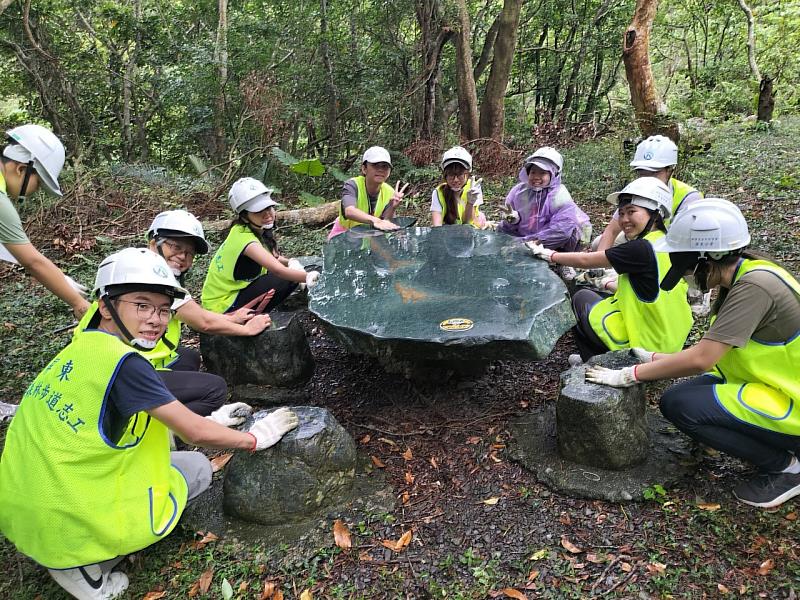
549	155
376	154
251	195
713	227
648	192
38	144
136	269
457	155
655	153
179	224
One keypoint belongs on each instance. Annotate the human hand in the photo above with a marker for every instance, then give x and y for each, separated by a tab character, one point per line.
269	430
399	194
82	290
312	277
510	215
80	309
256	306
225	416
604	283
475	191
540	251
257	324
625	377
295	264
642	355
385	225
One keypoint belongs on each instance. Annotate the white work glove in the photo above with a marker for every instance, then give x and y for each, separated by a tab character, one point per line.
642	355
625	377
269	430
295	264
475	193
82	290
511	216
312	277
231	414
540	251
603	282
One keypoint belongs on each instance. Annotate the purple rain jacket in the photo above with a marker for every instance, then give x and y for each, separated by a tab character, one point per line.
549	215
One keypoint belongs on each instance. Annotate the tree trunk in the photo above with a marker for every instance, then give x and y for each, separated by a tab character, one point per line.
434	36
650	111
465	80
766	100
221	62
333	99
766	95
492	115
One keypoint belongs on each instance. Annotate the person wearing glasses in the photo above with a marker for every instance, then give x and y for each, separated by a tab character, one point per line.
86	475
33	158
456	200
178	236
368	199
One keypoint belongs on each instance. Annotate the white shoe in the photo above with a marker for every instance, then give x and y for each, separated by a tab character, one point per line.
90	583
575	360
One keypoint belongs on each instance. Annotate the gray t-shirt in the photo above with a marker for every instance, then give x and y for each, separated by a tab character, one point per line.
758	306
11	231
350	197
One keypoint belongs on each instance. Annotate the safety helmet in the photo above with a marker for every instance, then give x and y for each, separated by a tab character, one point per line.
459	156
376	154
545	158
179	224
648	192
655	153
37	144
135	269
251	195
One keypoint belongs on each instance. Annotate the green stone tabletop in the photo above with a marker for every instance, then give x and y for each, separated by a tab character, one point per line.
443	293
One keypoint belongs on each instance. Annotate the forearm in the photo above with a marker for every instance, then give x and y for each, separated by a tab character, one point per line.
199	431
49	275
356	214
388	212
469	212
436	219
609	234
696	360
582	260
206	321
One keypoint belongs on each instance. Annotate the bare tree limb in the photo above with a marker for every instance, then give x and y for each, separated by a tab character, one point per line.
751	39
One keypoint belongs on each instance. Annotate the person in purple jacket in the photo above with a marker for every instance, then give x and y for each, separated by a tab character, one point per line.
540	207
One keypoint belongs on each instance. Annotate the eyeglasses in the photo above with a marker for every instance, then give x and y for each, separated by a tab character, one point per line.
462	175
144	311
180	249
381	166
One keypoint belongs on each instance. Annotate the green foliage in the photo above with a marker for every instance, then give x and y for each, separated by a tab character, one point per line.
656	493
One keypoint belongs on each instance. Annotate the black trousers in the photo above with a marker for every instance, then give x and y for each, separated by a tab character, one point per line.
693	408
262	284
202	393
589	344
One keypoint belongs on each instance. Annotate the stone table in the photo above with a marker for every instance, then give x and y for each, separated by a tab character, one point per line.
438	295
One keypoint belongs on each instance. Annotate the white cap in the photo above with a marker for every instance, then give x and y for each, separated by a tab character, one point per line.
251	195
136	267
376	154
40	145
179	224
546	158
457	155
655	153
648	192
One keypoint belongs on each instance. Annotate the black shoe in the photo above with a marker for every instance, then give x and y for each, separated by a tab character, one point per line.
768	490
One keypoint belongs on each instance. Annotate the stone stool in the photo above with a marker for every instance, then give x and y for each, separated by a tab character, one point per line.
311	468
279	356
598	425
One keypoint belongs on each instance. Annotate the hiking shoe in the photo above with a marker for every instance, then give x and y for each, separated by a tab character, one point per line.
575	360
768	490
90	583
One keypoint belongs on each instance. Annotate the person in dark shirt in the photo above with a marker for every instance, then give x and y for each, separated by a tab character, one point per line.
638	314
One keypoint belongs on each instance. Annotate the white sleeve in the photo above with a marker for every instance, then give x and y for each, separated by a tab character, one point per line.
436	206
176	304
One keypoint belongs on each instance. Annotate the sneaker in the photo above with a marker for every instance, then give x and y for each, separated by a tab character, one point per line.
575	360
768	490
90	582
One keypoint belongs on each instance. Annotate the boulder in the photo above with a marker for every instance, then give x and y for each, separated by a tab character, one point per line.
311	468
445	294
598	425
279	356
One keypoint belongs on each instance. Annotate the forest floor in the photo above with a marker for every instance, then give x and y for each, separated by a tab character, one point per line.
481	526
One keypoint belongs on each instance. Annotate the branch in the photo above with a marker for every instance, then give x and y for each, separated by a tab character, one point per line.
751	40
4	5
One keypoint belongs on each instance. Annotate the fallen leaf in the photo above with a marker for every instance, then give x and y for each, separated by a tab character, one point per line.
269	591
569	546
539	554
434	464
405	497
409	477
218	462
473	439
491	501
493	456
594	558
378	462
306	595
722	589
365	556
154	595
627	567
766	567
533	575
388	441
243	586
398	546
194	590
278	595
366	439
512	593
207	538
341	535
227	589
792	516
709	506
407	454
565	519
204	583
656	568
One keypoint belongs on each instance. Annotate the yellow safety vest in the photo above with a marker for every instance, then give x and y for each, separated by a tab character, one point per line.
761	382
221	287
162	356
626	321
70	496
3	184
679	192
362	201
461	205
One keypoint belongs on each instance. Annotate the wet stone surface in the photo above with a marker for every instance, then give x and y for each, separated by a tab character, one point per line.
444	294
311	468
279	356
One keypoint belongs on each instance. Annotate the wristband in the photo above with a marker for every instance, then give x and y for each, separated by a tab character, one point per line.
553	257
635	378
255	442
